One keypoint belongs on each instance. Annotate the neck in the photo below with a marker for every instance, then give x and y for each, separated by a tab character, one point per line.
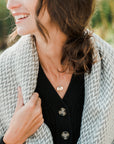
50	53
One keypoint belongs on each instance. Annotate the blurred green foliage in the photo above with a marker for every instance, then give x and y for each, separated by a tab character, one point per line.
102	21
6	24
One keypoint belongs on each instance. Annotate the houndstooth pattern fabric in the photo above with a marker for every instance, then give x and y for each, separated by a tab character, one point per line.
19	66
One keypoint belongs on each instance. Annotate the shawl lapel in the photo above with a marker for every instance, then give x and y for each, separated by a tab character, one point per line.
26	66
26	69
98	113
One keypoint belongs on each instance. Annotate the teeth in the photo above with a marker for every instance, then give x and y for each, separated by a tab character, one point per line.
20	16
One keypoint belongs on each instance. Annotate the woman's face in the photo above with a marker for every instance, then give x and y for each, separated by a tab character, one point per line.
24	13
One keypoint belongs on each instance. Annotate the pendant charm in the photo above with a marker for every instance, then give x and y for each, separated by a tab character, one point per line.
59	88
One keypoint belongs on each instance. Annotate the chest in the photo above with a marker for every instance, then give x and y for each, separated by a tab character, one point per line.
60	85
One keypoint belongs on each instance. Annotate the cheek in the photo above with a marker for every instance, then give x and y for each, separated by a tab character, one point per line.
29	25
30	5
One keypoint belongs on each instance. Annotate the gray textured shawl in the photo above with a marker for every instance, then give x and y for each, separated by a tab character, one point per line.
19	66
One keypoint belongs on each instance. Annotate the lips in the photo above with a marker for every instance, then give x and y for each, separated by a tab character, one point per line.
20	16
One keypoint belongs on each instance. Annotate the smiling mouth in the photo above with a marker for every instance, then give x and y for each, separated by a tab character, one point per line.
20	18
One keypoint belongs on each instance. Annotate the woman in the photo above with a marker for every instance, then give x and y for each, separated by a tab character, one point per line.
65	74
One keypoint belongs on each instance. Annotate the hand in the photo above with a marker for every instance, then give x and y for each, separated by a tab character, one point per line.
25	121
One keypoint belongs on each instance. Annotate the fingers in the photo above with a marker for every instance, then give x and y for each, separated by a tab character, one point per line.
20	101
34	99
38	104
32	102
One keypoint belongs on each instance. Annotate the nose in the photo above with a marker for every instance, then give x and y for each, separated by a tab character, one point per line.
12	4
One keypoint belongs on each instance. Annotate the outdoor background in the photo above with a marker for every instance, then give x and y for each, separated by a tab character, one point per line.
102	22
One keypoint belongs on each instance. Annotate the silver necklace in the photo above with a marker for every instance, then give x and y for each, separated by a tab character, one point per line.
60	87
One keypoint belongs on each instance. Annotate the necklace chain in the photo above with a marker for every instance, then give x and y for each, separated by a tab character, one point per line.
60	87
62	83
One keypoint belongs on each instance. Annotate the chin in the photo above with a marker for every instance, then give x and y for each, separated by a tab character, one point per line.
23	31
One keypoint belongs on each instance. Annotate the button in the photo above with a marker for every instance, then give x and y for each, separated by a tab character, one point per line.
65	135
62	112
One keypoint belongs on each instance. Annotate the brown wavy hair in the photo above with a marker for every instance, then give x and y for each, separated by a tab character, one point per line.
73	19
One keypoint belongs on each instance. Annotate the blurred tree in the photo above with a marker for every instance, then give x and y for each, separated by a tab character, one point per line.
112	11
103	20
6	24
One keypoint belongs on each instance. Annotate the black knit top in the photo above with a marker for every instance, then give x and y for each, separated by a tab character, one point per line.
63	116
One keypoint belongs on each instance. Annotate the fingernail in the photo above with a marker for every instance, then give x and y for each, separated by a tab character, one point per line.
34	94
19	88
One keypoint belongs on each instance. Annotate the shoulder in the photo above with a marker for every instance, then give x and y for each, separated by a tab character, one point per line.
16	49
15	53
105	50
19	45
105	60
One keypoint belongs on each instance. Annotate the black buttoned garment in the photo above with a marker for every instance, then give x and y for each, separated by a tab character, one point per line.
62	116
